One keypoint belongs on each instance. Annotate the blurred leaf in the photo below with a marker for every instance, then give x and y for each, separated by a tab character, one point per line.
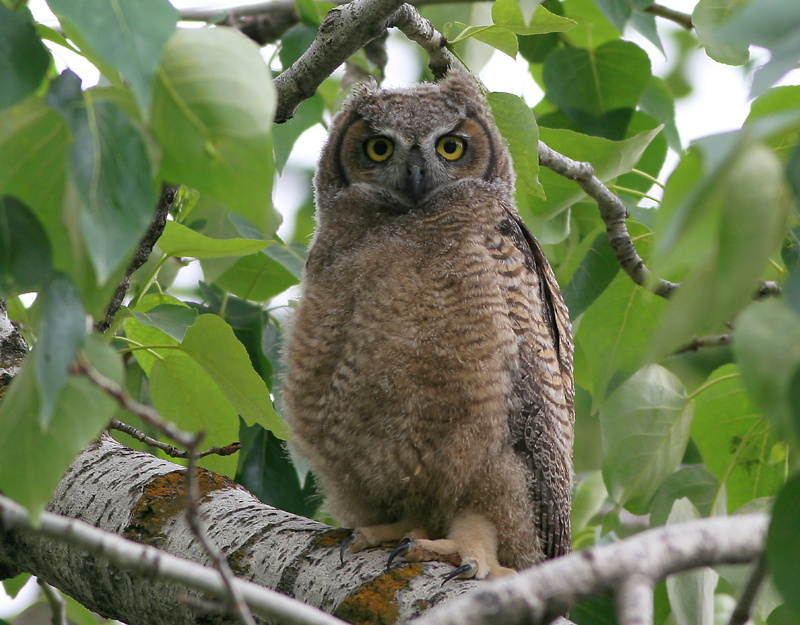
213	107
62	332
32	459
266	470
691	594
185	394
735	439
294	42
645	425
211	342
25	258
618	12
178	240
771	24
594	611
740	222
291	256
257	278
589	497
697	484
783	548
517	124
169	318
23	58
285	135
128	36
771	102
109	167
593	27
767	347
609	159
708	16
658	102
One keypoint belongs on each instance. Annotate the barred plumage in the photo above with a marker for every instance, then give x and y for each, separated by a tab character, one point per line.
429	364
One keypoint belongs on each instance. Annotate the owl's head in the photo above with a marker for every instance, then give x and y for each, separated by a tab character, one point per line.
405	144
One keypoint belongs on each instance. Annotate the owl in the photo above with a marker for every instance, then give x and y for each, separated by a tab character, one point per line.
428	378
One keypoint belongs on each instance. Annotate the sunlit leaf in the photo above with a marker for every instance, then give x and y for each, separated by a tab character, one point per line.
178	240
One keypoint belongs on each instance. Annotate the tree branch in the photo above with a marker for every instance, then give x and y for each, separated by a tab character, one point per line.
537	593
344	31
682	19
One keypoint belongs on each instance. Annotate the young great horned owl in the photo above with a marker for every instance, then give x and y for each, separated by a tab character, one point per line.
429	366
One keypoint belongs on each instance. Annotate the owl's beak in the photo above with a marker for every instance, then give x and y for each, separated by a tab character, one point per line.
415	184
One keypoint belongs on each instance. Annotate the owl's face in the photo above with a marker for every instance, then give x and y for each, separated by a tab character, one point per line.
405	144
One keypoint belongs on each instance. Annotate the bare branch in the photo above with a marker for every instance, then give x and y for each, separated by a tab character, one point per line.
342	33
172	452
534	595
741	612
613	213
421	31
717	340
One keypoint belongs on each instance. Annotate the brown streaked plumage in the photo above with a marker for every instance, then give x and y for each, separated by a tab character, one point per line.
429	364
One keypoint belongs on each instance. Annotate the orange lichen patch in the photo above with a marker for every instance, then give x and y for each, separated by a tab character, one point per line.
332	538
375	602
162	499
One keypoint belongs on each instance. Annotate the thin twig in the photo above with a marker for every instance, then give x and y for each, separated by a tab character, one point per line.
741	613
58	605
717	340
683	19
143	411
172	452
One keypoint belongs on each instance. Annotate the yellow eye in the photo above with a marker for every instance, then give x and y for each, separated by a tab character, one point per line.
450	147
379	148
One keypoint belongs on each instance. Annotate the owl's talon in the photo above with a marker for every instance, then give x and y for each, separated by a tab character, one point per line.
466	571
402	547
347	542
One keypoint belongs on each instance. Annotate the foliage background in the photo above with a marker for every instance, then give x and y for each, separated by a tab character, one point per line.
663	434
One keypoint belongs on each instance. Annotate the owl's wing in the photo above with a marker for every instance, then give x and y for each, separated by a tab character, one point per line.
541	422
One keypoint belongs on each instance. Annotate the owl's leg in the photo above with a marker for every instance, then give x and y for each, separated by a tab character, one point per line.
471	544
375	535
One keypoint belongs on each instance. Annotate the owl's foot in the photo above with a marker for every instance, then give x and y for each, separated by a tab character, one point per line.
471	546
376	535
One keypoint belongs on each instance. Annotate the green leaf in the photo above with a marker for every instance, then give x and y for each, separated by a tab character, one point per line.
169	318
178	240
294	42
595	272
25	258
767	347
517	124
691	594
267	471
292	257
213	107
658	102
597	81
33	460
698	485
645	425
256	278
708	16
62	332
23	58
783	548
618	12
730	232
149	335
110	169
609	159
735	439
590	495
211	342
128	36
615	330
183	392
